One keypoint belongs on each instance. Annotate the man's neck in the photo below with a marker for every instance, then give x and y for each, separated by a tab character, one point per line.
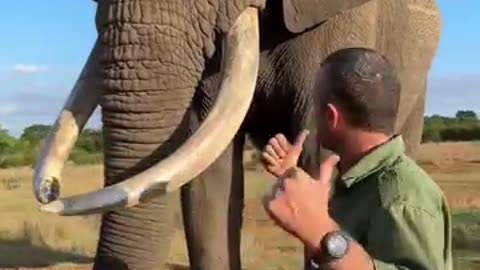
356	145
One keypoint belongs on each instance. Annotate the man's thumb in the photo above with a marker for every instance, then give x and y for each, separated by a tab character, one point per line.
301	139
326	168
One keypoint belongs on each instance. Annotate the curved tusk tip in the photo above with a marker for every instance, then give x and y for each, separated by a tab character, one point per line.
48	190
55	207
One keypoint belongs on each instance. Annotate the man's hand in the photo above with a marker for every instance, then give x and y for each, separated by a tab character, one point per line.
279	155
300	205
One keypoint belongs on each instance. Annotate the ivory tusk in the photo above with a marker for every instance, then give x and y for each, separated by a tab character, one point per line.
240	67
78	108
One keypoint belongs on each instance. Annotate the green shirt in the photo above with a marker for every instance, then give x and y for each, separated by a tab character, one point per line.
388	204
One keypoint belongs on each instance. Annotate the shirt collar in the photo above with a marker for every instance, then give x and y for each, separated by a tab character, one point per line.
379	157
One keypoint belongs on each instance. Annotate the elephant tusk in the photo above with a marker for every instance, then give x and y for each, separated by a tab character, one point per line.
78	108
240	68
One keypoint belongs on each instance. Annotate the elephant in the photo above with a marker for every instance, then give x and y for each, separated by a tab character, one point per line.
181	84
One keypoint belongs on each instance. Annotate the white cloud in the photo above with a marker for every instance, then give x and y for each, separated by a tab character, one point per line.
21	68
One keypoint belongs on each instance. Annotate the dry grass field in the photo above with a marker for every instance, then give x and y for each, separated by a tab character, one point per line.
30	239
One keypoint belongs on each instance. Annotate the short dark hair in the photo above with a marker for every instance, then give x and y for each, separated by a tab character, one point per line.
365	86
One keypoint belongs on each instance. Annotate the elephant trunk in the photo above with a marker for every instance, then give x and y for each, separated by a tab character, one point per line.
142	71
151	69
143	105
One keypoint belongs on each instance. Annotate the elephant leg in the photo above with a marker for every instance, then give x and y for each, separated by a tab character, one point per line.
412	33
312	151
138	237
212	207
412	129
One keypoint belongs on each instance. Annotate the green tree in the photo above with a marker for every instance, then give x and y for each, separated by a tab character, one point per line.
7	142
35	134
90	140
466	115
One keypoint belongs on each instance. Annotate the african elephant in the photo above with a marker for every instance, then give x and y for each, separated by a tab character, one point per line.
180	85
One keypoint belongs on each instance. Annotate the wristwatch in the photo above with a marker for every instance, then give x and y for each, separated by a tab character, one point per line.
333	246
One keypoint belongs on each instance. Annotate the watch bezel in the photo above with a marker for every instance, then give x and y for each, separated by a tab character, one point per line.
327	255
331	249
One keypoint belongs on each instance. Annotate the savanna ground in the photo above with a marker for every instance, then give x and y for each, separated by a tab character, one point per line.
30	239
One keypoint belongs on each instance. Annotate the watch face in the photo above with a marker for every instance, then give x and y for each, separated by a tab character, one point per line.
337	245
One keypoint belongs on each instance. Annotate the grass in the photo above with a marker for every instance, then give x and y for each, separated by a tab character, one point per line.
466	239
466	230
29	238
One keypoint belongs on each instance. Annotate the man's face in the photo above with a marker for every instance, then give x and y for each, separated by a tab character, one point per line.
326	113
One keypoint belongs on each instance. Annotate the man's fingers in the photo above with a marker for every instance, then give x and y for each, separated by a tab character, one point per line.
279	150
294	179
284	143
301	139
282	211
270	160
275	170
326	168
330	162
271	203
280	208
269	149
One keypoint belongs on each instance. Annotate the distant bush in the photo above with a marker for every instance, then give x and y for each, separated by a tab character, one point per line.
465	126
14	160
462	133
82	157
24	151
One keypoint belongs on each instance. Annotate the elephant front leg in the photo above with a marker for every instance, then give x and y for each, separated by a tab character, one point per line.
212	212
138	237
412	129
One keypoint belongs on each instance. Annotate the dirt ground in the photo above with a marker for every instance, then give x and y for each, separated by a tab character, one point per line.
30	239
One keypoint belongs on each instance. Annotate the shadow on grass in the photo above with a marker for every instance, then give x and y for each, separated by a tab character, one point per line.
16	253
174	266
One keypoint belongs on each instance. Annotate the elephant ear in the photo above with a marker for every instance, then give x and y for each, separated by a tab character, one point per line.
300	15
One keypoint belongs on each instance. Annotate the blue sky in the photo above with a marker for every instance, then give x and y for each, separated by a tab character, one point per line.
44	47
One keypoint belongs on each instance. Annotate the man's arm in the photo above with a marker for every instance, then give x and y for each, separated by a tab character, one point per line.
401	237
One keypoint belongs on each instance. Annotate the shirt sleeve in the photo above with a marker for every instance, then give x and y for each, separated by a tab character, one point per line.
405	237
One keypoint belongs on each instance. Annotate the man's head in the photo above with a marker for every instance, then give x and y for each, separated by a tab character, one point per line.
356	91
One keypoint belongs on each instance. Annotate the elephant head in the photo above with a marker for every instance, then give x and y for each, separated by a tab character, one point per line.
197	153
240	60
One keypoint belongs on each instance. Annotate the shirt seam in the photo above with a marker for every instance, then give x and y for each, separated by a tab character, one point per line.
401	202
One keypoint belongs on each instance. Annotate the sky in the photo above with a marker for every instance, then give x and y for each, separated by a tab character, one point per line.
44	48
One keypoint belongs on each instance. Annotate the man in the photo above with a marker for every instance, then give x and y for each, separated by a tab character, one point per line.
385	212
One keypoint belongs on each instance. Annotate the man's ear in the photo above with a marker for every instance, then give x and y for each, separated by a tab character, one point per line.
301	15
333	115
